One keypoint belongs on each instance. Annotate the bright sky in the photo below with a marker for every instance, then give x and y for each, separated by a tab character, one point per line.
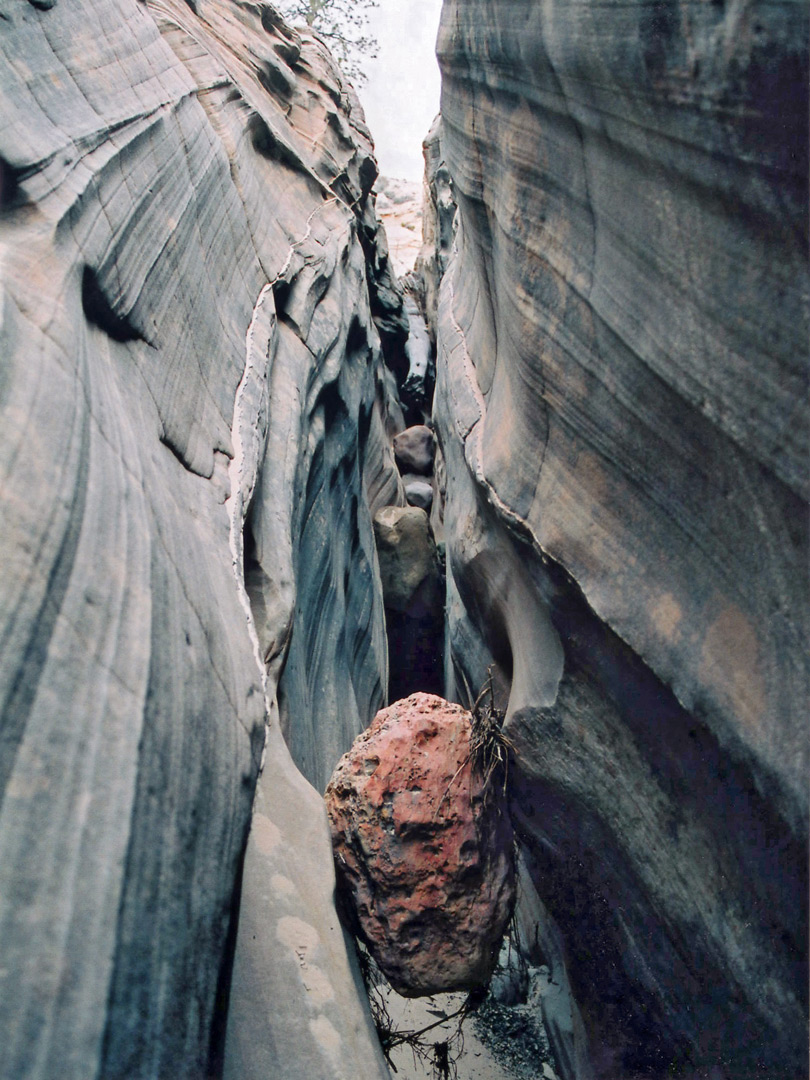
401	97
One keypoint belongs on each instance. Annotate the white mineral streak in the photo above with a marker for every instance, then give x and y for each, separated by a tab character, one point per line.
248	431
249	417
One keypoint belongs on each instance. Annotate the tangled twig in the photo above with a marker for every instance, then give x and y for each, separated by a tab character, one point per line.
440	1056
489	746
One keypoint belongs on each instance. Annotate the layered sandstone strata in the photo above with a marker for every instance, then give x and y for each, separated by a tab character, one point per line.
621	408
193	400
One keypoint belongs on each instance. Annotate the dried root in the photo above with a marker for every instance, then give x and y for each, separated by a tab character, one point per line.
439	1056
489	746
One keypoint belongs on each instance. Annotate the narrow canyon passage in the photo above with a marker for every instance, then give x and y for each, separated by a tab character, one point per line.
259	480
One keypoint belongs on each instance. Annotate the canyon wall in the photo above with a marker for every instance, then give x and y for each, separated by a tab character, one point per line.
621	407
200	332
195	415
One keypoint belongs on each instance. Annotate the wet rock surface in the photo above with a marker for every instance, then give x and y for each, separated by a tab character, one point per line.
423	852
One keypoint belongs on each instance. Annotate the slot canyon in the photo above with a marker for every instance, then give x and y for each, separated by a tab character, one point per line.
258	484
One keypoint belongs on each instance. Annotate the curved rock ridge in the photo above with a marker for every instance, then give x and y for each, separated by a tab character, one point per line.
620	404
423	848
438	217
195	298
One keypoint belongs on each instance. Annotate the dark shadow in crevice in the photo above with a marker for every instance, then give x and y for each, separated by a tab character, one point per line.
11	193
415	654
592	885
219	1020
100	312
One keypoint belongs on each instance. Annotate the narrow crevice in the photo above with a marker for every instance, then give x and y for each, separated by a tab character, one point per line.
411	561
219	1021
11	192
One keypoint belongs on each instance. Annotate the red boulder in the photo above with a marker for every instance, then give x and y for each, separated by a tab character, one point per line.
423	852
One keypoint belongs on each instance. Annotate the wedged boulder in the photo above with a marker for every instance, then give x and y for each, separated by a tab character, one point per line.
407	554
414	449
423	848
418	492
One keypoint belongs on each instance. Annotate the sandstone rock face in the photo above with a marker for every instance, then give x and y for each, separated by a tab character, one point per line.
413	449
399	207
423	851
417	389
194	293
295	1010
438	223
620	388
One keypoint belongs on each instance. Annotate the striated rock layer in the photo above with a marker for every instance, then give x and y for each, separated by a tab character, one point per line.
423	848
621	407
194	295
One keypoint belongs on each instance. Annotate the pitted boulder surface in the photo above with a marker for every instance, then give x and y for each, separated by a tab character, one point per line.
423	851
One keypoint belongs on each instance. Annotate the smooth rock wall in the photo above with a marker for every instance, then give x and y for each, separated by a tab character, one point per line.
189	266
621	406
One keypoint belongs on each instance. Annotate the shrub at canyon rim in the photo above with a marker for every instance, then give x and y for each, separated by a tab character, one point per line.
343	24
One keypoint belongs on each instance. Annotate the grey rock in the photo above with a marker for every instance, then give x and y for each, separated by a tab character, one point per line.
407	557
299	972
622	350
313	577
418	491
438	226
414	449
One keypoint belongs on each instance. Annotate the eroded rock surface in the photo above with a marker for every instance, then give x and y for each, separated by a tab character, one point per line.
621	394
423	850
399	207
438	223
194	293
417	389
